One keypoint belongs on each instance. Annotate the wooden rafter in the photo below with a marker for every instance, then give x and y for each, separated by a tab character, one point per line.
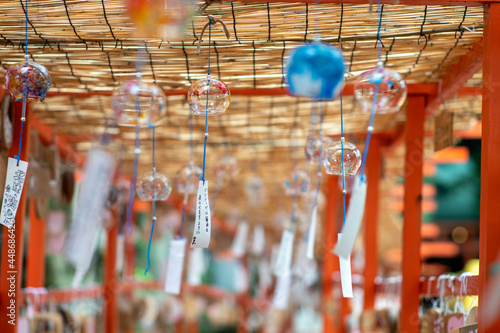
388	2
457	76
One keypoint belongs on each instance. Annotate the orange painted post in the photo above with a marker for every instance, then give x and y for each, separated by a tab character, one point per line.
35	259
110	282
330	261
412	214
489	246
373	169
11	272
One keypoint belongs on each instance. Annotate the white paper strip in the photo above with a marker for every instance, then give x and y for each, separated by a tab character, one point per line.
196	266
120	252
312	234
282	292
265	278
14	183
88	215
345	274
284	259
239	246
175	265
353	220
259	240
202	225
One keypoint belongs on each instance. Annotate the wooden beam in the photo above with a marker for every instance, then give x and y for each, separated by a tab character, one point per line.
374	161
35	259
413	89
11	268
412	215
385	2
489	227
48	136
468	65
110	282
331	318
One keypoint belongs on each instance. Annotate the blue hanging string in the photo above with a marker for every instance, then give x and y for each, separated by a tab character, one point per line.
296	179
375	96
25	93
154	203
342	139
191	164
208	94
318	185
137	149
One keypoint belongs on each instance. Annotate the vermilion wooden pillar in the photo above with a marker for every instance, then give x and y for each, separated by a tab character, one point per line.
35	259
373	169
330	261
412	214
489	244
7	295
110	282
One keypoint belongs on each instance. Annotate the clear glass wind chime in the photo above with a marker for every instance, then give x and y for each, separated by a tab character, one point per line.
380	90
142	104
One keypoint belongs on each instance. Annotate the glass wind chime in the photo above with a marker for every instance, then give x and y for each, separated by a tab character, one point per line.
379	90
142	104
26	81
206	97
316	70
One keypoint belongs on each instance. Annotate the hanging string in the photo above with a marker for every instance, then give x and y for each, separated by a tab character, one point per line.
296	189
154	203
208	94
25	93
318	185
342	140
375	96
188	181
137	149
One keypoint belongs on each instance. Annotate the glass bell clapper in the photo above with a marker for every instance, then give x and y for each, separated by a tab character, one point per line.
153	186
314	145
298	183
332	158
349	183
254	190
391	92
31	75
164	19
315	70
187	178
137	102
218	95
227	168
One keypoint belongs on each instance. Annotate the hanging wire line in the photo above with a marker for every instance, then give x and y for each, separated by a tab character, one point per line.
295	184
137	149
154	203
342	139
25	93
316	22
318	185
375	96
208	94
188	181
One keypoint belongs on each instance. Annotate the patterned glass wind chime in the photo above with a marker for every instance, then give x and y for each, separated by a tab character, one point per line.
380	90
25	81
208	97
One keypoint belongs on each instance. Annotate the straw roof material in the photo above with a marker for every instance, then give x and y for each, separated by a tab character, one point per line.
91	47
